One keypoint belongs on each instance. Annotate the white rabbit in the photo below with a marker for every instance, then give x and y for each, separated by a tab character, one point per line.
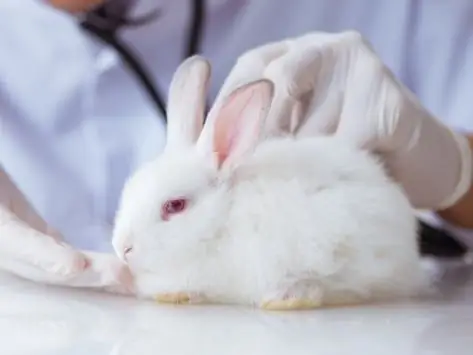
225	217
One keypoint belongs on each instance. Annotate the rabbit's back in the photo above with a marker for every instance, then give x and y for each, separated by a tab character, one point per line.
317	208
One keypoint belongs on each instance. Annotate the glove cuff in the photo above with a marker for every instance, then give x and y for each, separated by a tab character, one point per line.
466	173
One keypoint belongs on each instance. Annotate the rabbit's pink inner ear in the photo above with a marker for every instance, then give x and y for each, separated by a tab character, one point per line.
226	134
239	121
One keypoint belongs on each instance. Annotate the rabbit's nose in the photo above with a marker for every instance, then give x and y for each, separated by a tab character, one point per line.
126	252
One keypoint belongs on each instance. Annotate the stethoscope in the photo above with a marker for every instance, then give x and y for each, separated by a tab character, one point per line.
105	22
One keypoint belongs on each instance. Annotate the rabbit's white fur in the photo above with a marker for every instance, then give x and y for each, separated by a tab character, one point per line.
297	219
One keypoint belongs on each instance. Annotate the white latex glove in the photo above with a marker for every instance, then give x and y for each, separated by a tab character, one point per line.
336	84
28	248
32	250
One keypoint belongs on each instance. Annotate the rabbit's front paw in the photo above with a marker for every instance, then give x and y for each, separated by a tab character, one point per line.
290	304
177	298
299	296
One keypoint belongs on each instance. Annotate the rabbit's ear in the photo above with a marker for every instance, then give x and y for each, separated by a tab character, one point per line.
238	122
186	102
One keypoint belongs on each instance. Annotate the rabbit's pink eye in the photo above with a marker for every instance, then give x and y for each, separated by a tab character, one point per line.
172	207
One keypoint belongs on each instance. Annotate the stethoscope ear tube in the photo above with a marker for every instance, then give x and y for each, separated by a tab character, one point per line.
134	64
104	23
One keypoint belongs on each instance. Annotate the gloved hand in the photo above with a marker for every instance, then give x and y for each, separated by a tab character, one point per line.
32	250
336	84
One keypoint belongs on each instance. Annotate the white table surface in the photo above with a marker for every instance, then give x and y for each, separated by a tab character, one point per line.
38	320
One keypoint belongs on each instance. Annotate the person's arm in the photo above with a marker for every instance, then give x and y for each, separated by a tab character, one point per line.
28	247
461	214
75	6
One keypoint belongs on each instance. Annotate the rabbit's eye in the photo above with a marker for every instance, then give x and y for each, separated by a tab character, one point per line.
172	207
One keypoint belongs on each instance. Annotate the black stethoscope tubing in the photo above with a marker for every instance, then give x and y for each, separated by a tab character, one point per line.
109	36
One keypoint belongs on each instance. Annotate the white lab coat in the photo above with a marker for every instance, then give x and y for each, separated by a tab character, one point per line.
75	123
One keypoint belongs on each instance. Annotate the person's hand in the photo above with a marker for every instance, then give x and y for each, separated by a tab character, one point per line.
336	84
32	250
75	6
